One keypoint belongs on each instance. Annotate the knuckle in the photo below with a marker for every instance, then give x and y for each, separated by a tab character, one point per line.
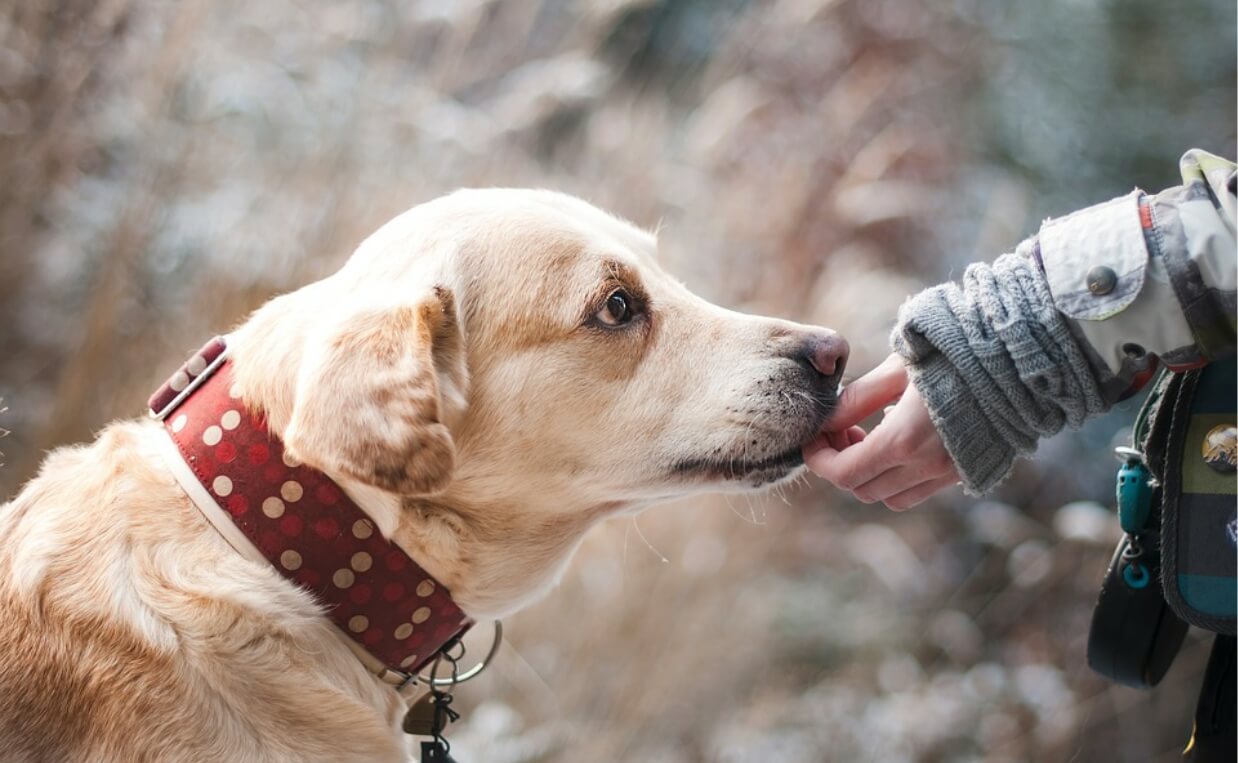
848	480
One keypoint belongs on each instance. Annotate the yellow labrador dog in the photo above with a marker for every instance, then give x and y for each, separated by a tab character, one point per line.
490	375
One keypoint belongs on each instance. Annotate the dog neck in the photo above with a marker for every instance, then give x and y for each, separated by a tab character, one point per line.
272	508
496	555
495	558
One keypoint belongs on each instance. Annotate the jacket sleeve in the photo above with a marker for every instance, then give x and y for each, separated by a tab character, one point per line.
1146	278
1076	319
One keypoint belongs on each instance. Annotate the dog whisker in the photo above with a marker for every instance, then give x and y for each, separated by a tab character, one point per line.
656	552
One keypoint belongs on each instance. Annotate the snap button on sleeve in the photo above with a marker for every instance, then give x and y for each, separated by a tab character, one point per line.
1101	280
1095	259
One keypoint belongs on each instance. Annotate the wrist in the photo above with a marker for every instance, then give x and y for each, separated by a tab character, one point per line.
982	457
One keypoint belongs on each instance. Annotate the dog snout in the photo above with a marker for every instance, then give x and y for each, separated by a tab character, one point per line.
826	353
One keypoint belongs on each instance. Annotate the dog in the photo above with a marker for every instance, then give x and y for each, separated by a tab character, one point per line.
490	375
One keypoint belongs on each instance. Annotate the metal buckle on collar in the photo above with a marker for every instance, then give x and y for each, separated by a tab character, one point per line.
401	680
473	672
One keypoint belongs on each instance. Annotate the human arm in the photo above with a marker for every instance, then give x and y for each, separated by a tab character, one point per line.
1076	319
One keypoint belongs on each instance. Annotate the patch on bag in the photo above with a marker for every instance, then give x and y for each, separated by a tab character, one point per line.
1220	448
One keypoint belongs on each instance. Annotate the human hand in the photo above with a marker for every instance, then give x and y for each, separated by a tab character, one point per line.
902	461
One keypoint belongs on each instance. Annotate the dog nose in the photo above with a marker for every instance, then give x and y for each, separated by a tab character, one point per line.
827	353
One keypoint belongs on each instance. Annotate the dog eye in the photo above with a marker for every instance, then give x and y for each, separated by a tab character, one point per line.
617	310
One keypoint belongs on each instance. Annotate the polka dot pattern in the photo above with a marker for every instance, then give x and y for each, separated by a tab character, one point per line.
309	530
196	365
222	485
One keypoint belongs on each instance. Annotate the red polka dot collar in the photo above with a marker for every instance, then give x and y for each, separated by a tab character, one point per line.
271	508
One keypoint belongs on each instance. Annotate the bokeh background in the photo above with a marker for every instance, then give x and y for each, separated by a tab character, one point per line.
167	165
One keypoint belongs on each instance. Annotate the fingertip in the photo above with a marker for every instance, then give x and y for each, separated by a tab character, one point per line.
869	393
821	442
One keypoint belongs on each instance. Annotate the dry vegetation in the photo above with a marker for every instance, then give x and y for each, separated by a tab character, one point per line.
166	166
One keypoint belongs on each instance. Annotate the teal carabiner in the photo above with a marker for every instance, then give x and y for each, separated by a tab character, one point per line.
1134	495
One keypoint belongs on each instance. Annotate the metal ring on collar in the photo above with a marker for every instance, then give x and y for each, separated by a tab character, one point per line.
473	672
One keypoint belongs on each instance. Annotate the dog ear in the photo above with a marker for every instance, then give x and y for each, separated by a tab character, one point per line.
368	401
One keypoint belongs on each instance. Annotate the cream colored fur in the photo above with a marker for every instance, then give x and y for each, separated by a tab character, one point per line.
454	379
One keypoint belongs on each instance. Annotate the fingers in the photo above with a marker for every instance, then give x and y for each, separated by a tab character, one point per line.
902	462
920	493
840	440
833	440
869	394
904	478
889	483
859	463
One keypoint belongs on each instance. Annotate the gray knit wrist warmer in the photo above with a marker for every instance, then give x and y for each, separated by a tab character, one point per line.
997	366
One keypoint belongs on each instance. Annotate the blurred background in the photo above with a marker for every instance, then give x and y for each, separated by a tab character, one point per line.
166	166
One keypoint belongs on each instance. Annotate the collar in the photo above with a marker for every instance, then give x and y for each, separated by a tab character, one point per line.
270	508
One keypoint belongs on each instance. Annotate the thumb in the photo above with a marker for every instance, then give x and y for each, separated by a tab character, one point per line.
869	394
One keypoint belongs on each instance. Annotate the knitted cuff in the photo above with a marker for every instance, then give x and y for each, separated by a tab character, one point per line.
982	457
997	366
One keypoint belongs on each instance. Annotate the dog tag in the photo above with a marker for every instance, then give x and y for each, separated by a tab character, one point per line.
424	718
435	752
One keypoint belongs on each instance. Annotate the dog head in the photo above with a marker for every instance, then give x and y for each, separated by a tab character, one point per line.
522	351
